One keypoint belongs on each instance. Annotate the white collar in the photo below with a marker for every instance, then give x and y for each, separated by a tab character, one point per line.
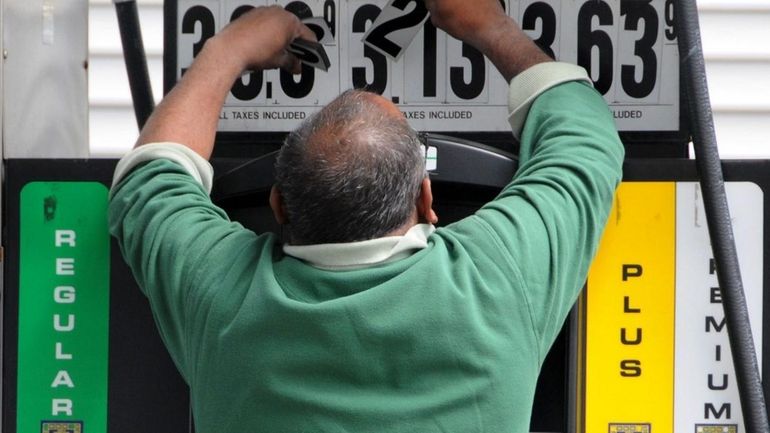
356	255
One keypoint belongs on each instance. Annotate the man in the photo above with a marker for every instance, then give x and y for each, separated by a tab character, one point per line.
369	320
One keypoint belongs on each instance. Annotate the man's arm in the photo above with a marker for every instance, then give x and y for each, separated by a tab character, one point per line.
189	113
177	243
543	229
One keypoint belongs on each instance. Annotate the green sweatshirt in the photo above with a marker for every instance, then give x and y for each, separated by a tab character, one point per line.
449	339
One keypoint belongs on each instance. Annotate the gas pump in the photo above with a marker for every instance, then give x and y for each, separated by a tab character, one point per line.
645	349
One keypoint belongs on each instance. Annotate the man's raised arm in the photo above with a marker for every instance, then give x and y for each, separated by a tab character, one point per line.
189	113
549	218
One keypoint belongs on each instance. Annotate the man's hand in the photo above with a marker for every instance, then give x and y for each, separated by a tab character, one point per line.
467	20
257	40
260	37
484	25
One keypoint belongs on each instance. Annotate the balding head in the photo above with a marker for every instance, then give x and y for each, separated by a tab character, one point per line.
350	173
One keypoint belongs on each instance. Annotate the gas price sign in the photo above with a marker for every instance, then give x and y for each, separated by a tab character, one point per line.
390	47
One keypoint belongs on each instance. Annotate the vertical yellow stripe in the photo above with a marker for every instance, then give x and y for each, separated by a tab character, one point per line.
629	340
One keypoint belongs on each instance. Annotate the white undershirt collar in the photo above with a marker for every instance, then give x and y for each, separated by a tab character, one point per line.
356	255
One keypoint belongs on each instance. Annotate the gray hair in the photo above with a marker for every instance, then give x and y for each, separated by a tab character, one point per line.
350	173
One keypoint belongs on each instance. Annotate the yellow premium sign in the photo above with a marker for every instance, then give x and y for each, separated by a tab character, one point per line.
629	315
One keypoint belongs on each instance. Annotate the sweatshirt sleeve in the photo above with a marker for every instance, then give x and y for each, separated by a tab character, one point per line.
175	240
548	220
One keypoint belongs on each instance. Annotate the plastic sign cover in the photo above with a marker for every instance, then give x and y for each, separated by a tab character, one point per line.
656	351
441	84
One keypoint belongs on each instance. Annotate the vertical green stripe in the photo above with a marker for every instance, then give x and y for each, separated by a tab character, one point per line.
62	373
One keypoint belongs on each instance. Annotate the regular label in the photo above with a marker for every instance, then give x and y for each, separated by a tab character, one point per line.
64	287
441	84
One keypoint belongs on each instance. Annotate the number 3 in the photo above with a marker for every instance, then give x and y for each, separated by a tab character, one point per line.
636	10
379	62
195	15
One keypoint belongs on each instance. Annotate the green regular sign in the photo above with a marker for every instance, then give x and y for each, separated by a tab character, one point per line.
63	308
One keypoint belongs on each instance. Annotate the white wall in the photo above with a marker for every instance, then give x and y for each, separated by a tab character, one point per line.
112	124
736	41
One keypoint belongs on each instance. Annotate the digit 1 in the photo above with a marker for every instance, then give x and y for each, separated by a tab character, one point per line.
193	16
330	15
364	14
588	38
473	88
303	87
240	90
545	13
430	57
669	14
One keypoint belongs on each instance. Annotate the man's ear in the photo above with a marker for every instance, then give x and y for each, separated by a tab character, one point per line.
276	204
425	210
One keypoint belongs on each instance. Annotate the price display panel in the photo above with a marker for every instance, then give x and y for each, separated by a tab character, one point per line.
441	84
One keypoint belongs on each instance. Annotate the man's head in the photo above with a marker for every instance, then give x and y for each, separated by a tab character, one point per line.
352	172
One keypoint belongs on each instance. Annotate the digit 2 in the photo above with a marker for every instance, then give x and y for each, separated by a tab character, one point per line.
378	35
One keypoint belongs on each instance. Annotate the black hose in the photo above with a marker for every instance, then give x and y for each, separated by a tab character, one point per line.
136	61
718	218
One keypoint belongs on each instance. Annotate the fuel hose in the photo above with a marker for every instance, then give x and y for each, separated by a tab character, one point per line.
136	60
718	217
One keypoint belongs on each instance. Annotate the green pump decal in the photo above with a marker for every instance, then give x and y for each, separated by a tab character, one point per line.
63	308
